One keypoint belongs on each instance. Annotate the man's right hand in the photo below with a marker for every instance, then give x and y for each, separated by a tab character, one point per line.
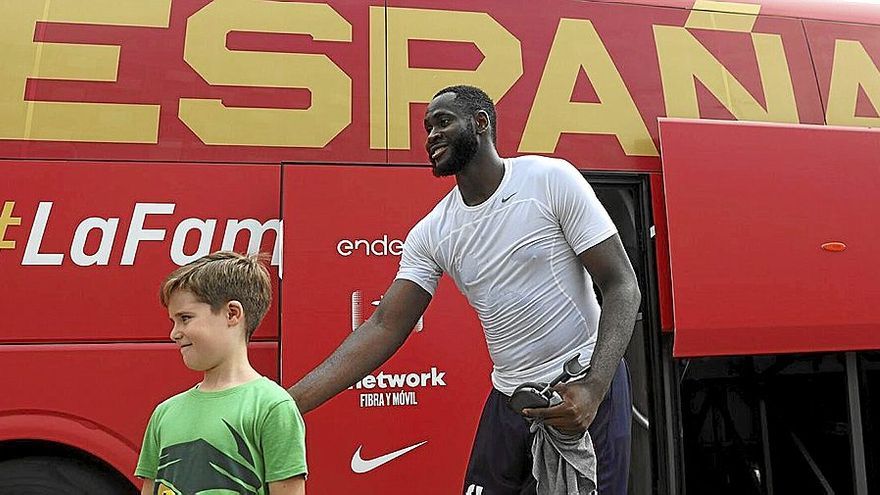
577	410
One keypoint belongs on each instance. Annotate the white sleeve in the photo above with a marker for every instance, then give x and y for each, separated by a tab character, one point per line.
582	217
417	263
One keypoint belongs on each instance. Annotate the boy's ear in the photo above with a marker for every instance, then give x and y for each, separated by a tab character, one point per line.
234	313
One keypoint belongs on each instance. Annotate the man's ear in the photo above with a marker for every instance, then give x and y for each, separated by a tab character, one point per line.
234	313
481	118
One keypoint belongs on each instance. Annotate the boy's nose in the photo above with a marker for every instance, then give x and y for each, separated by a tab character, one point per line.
175	334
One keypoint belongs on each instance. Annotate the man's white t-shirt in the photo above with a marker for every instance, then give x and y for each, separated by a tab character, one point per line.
514	257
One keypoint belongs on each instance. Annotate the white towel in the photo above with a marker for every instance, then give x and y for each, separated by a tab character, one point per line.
563	464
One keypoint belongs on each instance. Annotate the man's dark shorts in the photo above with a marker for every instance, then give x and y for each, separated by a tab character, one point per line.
501	458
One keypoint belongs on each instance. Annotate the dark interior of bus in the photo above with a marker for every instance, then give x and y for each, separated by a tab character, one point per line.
746	425
623	197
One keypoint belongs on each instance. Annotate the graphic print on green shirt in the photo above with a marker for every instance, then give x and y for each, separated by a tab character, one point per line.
237	440
207	468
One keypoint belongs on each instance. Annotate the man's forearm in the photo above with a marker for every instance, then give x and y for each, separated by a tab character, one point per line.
581	399
620	305
362	352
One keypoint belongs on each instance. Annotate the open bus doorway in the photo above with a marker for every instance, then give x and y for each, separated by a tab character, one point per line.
625	197
772	248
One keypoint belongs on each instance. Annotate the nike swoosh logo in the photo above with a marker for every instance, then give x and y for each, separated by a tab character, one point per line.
360	465
504	200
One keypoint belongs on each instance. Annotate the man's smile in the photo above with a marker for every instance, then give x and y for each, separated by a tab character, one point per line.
437	151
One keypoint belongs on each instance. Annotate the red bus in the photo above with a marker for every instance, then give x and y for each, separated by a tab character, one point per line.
730	141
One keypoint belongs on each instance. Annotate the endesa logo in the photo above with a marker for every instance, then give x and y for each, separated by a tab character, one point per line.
105	230
382	246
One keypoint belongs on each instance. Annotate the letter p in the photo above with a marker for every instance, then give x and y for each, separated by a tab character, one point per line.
499	70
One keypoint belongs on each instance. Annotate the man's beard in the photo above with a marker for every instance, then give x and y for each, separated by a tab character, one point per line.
464	148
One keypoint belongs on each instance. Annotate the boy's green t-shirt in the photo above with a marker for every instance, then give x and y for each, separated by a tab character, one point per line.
238	439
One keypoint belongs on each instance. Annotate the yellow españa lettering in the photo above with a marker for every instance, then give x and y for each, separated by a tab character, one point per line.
683	59
393	84
576	45
853	68
206	52
72	121
500	68
722	16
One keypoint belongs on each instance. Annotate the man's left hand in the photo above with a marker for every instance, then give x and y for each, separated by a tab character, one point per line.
576	412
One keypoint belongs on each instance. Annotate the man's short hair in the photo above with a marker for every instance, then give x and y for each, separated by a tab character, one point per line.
471	100
221	277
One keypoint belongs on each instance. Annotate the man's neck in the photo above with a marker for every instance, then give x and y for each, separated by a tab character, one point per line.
481	177
230	373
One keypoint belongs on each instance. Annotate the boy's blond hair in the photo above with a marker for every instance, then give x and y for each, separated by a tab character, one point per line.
224	276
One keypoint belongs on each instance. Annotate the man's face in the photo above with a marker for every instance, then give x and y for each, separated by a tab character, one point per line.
205	338
452	139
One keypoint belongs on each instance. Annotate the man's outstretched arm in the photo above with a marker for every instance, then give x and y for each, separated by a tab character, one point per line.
613	275
376	340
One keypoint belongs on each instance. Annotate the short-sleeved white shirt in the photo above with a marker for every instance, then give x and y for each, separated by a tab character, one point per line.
514	257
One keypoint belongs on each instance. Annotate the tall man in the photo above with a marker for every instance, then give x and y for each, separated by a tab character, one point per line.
524	239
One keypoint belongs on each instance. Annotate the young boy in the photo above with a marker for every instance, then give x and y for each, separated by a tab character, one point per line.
236	430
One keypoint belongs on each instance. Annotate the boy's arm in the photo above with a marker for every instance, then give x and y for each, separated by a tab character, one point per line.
147	489
149	456
283	444
290	486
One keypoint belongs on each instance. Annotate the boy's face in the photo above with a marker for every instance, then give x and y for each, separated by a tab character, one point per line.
206	339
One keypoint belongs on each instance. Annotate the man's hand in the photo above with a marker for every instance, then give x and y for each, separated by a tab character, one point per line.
576	412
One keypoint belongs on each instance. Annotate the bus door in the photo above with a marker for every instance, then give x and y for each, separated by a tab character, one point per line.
653	465
773	244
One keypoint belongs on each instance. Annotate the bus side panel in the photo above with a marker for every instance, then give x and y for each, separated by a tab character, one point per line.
344	231
97	397
581	80
846	58
254	82
86	245
594	76
772	238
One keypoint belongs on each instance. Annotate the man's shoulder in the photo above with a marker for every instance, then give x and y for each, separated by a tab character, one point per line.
536	172
539	161
528	167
